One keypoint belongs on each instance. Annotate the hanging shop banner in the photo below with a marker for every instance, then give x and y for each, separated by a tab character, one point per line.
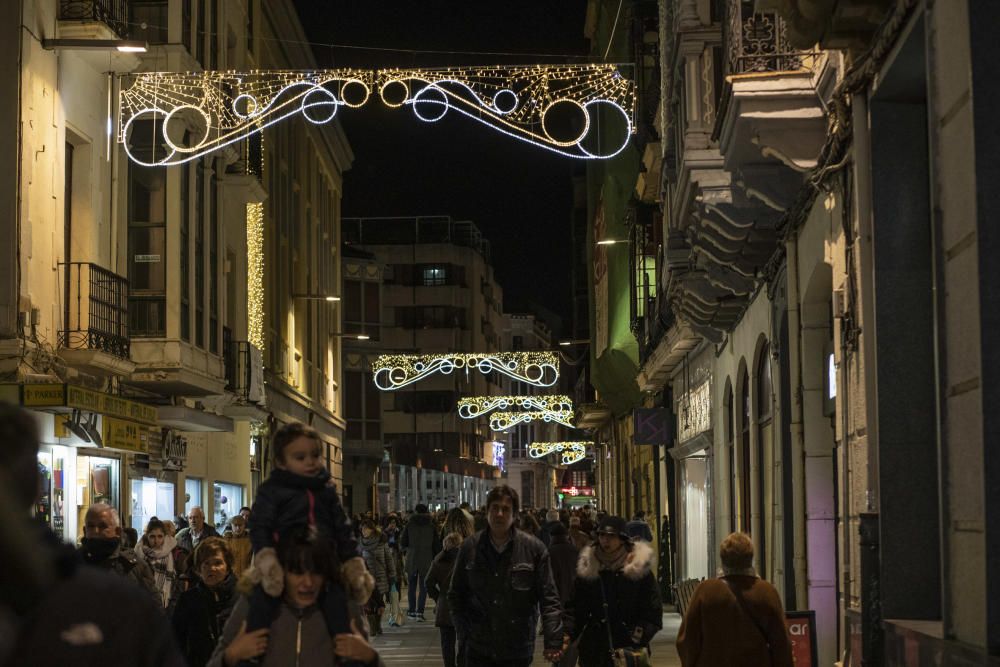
652	426
802	631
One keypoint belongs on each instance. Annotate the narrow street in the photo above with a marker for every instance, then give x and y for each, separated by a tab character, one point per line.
417	644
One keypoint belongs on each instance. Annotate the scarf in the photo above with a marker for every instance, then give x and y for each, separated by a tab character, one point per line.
161	561
612	561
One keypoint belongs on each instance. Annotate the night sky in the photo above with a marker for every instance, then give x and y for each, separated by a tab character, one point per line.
519	195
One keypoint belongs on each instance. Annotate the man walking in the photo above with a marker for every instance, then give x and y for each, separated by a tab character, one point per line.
638	529
502	577
189	538
102	547
417	542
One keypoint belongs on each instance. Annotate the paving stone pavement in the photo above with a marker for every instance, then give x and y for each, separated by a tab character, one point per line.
417	644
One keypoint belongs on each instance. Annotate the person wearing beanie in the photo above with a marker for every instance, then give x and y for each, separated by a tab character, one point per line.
551	519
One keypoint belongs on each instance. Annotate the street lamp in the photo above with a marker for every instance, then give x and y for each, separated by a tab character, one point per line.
351	336
574	341
316	297
120	45
613	241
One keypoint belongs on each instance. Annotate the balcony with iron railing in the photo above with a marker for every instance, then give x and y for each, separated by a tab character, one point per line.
95	330
110	13
758	42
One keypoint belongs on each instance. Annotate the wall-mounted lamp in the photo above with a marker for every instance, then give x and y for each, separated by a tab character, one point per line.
316	297
121	45
612	241
574	341
351	336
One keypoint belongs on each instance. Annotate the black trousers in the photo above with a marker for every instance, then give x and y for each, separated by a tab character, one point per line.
448	645
473	659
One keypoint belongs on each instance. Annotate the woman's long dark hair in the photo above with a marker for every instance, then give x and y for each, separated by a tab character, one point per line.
299	551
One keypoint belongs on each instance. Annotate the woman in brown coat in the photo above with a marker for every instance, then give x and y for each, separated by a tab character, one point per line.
736	620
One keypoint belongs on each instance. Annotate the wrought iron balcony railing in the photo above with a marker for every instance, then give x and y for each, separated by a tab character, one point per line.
758	42
244	368
96	310
113	13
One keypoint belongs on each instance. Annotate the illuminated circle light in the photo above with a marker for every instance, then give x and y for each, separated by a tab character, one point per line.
470	408
571	451
394	371
512	100
502	421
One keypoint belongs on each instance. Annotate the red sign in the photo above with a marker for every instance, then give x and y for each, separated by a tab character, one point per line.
577	491
802	633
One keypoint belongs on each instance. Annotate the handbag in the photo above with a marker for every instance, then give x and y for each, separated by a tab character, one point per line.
622	657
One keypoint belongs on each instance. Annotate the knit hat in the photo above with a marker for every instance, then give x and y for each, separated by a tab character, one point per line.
613	525
558	529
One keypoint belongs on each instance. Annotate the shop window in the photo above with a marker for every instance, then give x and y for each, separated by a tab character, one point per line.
744	462
192	494
765	433
97	481
57	470
228	499
150	498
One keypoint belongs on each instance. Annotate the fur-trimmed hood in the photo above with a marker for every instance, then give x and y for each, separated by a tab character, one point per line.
637	563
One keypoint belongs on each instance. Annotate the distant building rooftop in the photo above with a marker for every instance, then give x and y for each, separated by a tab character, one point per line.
409	230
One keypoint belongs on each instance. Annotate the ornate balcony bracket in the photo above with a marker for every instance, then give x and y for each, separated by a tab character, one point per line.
195	113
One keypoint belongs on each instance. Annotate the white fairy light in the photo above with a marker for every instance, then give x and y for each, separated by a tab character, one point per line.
512	100
470	408
394	371
571	451
503	421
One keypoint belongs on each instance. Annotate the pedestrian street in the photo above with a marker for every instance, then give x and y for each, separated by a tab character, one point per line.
417	644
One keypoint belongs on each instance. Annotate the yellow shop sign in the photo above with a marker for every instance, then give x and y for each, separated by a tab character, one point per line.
72	396
122	434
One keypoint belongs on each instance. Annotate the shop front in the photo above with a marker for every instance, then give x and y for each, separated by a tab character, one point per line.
85	439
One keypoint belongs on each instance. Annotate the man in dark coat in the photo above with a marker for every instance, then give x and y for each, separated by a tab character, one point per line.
189	538
502	577
54	610
551	520
102	547
417	542
638	529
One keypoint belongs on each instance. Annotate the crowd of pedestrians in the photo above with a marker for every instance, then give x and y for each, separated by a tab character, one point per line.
294	580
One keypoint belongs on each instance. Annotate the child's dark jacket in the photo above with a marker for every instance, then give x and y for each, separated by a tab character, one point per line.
283	503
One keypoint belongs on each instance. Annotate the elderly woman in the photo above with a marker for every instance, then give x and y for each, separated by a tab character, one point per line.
736	620
202	610
298	634
617	601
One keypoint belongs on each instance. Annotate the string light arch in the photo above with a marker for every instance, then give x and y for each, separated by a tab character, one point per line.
395	371
571	451
196	113
503	421
470	408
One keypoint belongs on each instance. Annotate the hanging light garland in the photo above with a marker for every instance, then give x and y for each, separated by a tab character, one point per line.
470	408
502	421
195	113
571	451
394	371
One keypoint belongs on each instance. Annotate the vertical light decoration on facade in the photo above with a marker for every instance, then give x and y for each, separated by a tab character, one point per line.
571	451
255	275
195	113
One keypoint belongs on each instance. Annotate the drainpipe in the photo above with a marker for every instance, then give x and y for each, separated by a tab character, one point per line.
796	429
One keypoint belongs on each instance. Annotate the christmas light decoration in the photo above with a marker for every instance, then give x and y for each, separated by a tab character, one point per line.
571	451
502	421
394	371
255	275
215	109
470	408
